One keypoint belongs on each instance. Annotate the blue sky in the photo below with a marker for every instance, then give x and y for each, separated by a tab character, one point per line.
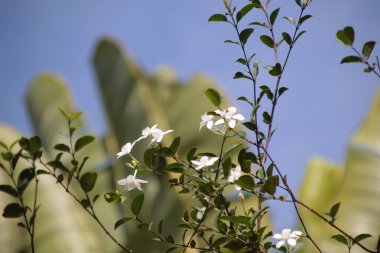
325	104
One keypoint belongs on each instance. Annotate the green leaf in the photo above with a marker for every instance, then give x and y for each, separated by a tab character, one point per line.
254	217
361	237
88	180
241	61
282	90
190	154
175	144
122	221
113	197
270	185
13	210
268	41
276	70
237	219
62	147
241	75
298	2
227	165
299	35
137	204
9	189
334	210
340	238
350	59
213	96
291	20
85	203
273	16
244	11
346	36
75	116
24	179
256	69
244	35
218	18
165	152
150	157
160	225
64	114
304	18
175	167
246	182
231	42
34	144
82	142
367	48
58	165
2	144
287	38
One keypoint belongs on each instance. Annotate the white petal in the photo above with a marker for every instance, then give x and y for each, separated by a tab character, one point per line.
219	121
295	234
231	110
292	242
279	244
277	236
209	124
238	117
123	181
140	181
212	160
232	123
196	162
120	154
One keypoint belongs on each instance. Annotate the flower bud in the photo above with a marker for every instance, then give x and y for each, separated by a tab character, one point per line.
241	197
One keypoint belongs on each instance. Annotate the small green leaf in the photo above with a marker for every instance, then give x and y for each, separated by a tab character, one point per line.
350	59
213	96
276	70
34	144
137	204
346	36
175	144
254	217
122	221
241	75
334	210
361	237
9	189
2	144
75	116
57	165
24	179
13	210
227	165
82	142
256	69
298	2
244	11
237	219
282	90
291	20
85	203
304	18
299	35
231	42
273	16
270	185
367	48
165	152
160	225
113	197
340	238
62	147
287	38
7	156
175	167
267	40
190	154
244	35
218	18
246	182
88	180
241	61
64	114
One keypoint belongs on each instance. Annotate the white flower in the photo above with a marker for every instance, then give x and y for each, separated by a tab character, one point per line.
206	121
229	116
131	182
204	162
125	150
201	212
148	131
234	175
287	236
158	135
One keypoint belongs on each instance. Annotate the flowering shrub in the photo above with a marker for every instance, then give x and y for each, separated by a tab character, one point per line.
216	184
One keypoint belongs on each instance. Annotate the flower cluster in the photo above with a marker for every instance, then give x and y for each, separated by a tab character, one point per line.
228	118
153	131
131	182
